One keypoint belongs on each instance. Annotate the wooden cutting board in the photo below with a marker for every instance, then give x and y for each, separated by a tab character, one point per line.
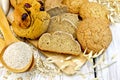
62	61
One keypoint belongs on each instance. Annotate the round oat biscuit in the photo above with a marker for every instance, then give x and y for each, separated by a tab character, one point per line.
94	34
92	9
74	5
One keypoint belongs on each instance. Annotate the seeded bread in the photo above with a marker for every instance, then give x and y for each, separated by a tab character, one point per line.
17	57
59	42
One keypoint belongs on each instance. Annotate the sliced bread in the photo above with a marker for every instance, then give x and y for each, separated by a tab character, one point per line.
17	57
59	42
66	22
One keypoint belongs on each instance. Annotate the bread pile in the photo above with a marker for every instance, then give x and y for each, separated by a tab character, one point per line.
93	32
83	26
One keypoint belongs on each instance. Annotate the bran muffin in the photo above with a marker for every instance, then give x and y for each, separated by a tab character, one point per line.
94	34
29	19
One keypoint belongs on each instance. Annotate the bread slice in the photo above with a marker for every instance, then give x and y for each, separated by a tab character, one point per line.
62	60
59	42
57	11
17	57
66	22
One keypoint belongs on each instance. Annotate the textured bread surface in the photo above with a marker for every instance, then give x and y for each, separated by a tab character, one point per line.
17	57
74	5
92	9
94	34
59	42
50	4
66	22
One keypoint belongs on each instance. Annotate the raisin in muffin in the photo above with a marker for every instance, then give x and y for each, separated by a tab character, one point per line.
29	21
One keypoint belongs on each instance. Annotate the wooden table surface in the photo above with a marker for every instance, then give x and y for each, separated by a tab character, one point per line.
108	69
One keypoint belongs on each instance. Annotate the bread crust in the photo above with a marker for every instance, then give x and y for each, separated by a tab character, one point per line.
65	22
59	42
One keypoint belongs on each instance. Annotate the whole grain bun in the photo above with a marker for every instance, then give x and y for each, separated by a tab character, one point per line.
94	34
17	57
59	42
66	22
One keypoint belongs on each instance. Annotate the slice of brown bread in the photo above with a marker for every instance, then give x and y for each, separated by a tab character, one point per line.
66	22
59	42
18	57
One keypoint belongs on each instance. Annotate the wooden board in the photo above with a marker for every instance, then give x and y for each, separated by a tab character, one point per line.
60	60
